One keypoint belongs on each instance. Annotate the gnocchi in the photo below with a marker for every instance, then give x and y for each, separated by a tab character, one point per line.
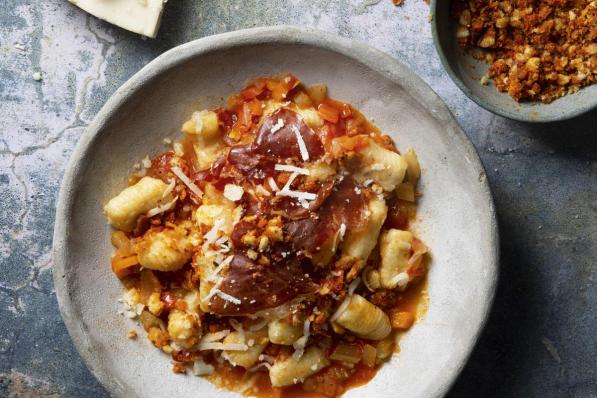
124	209
293	370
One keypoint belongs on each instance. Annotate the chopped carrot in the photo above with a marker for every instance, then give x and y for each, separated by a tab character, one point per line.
123	267
401	319
328	112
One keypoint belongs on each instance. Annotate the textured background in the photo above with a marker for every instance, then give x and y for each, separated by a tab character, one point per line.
540	340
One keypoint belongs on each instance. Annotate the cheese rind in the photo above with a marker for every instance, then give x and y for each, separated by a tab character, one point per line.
139	16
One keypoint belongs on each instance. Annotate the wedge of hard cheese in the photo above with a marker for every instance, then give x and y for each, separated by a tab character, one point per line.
139	16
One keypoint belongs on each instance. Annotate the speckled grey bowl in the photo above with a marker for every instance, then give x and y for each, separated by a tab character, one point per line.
466	72
456	213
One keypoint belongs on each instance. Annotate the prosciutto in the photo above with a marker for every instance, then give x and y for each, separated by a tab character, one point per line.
260	287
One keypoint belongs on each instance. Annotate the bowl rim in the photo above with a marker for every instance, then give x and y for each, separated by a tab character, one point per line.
282	34
485	104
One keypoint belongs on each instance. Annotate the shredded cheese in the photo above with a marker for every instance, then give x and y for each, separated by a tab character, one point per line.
190	184
292	169
239	328
301	343
279	124
216	336
272	184
200	368
259	366
377	166
161	208
214	290
146	162
297	194
212	234
223	346
219	268
169	188
301	143
291	179
233	192
227	297
342	231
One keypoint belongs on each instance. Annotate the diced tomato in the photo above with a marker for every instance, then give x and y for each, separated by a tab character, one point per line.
224	118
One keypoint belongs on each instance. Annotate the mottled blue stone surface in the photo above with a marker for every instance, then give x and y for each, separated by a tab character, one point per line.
540	340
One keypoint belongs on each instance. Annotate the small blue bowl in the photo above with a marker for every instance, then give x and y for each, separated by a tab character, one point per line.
466	72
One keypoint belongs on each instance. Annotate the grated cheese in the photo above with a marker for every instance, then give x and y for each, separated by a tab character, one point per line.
223	346
169	188
190	184
292	169
291	179
377	166
200	368
161	208
301	343
212	234
304	203
146	162
216	336
297	194
301	143
367	182
224	263
259	366
279	124
227	297
272	184
342	231
214	290
233	192
178	149
239	328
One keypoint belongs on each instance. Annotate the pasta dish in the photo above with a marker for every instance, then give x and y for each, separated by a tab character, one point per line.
269	250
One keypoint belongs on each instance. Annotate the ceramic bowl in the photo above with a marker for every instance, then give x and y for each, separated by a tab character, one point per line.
466	72
457	218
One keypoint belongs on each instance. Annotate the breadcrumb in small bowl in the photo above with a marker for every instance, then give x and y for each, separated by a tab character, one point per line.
529	61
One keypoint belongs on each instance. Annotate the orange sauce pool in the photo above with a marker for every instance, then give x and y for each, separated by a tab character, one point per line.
414	299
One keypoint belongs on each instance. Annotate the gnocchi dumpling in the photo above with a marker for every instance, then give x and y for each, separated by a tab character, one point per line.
394	248
124	209
165	250
204	123
256	343
364	319
184	329
383	166
360	243
283	332
293	370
